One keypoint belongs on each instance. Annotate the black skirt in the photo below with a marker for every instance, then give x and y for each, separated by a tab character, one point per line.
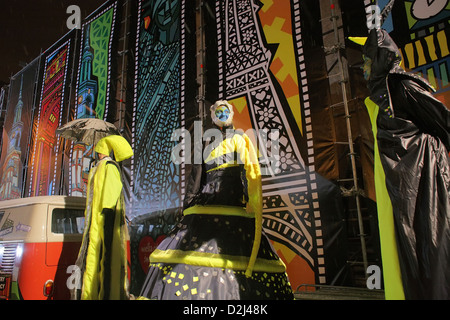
205	257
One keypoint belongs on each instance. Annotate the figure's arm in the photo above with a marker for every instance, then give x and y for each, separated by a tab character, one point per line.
249	158
427	112
111	186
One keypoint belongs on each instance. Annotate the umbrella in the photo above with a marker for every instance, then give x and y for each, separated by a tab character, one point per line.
87	130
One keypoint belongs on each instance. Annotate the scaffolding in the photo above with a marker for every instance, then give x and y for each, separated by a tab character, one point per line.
123	55
338	81
200	57
337	69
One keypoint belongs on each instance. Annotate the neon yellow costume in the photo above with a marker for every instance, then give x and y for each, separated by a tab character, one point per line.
103	254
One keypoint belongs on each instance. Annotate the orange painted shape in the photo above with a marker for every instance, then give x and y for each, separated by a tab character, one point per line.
297	269
147	22
241	118
62	253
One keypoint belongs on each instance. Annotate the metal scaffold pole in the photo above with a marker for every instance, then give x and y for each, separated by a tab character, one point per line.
336	50
200	57
124	67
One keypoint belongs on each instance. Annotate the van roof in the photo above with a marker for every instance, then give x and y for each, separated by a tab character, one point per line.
43	199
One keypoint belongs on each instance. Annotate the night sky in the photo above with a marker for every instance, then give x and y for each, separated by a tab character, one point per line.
29	27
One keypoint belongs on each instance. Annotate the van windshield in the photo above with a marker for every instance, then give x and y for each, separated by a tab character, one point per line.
67	221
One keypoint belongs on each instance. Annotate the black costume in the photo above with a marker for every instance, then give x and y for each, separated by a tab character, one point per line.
218	250
413	137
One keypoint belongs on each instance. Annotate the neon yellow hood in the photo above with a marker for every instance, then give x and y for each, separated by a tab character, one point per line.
118	144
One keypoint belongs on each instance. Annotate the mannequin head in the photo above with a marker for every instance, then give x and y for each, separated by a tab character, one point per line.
222	113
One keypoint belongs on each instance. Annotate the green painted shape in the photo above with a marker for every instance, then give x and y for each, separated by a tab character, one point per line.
100	33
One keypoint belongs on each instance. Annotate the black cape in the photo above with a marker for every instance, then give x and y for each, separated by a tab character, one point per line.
414	146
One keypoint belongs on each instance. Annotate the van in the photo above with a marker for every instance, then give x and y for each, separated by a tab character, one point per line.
40	238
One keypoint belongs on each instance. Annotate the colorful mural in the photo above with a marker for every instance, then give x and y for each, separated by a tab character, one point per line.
46	159
421	29
269	88
16	132
93	87
261	71
11	170
427	52
255	59
156	179
260	105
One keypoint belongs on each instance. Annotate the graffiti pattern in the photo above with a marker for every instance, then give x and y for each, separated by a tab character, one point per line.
46	158
289	189
156	114
93	88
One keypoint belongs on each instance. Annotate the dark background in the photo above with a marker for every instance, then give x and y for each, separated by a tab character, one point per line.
28	28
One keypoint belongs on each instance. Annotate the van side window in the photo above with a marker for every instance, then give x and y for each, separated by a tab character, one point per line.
67	221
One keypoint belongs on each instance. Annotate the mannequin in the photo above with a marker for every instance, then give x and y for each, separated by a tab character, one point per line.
218	250
102	259
412	173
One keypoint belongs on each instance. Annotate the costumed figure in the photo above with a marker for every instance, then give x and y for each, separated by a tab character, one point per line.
102	259
412	175
218	250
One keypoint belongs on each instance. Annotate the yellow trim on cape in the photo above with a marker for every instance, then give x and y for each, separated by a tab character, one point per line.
393	286
358	40
219	210
225	165
213	260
